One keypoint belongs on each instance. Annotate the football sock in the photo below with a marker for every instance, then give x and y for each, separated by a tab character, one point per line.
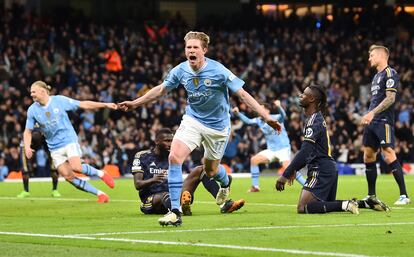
398	174
91	171
371	175
26	182
323	207
166	201
55	178
211	185
255	173
175	184
300	178
84	186
222	176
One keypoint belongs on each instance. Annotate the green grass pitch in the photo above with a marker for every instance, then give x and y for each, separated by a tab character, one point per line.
75	225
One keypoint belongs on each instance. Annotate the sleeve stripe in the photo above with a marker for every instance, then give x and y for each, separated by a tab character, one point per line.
308	139
388	70
137	171
391	89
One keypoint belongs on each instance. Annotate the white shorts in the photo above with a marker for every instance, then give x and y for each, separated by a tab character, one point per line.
279	155
61	155
192	133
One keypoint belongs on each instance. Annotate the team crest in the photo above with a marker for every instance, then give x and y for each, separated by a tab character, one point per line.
48	114
308	132
56	110
196	81
207	82
389	83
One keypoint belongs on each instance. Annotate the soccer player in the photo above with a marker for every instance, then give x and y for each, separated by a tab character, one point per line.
150	169
207	117
379	125
50	112
319	192
28	166
278	146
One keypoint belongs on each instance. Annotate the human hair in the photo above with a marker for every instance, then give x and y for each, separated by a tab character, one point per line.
161	132
320	95
203	37
381	47
42	84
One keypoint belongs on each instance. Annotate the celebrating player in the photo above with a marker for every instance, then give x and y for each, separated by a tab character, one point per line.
207	117
50	112
278	146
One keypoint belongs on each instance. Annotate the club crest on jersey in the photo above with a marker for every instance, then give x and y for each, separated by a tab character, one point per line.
196	81
389	83
56	110
48	114
308	132
207	82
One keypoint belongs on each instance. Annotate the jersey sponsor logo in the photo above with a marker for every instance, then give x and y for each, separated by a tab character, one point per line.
308	132
207	82
158	171
389	83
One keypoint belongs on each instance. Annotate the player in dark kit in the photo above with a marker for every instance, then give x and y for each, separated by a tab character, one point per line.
319	192
29	166
150	170
379	125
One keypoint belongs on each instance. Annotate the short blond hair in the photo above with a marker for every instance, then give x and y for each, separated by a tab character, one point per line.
383	48
203	37
42	84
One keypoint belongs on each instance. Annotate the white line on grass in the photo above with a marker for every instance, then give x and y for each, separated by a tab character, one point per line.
246	228
237	247
135	201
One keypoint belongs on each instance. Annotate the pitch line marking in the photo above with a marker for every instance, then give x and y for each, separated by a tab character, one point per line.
246	228
237	247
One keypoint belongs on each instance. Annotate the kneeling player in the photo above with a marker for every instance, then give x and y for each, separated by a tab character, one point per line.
319	192
29	166
150	178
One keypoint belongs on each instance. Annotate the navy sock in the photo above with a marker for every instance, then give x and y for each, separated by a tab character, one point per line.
371	175
323	207
398	174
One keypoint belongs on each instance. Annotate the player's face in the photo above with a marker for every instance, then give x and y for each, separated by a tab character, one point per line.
195	53
164	142
38	94
374	57
305	98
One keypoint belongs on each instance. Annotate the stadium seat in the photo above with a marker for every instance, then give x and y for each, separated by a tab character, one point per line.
113	170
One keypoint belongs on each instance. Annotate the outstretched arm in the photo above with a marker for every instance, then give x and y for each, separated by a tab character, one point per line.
255	106
243	117
151	96
282	113
92	105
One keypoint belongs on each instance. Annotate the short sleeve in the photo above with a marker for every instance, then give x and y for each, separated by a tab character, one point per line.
137	164
67	103
232	81
311	133
172	80
30	121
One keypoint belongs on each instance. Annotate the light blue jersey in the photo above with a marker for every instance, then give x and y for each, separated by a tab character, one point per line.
274	141
54	121
207	90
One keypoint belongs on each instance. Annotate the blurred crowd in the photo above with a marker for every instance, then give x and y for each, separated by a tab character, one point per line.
112	63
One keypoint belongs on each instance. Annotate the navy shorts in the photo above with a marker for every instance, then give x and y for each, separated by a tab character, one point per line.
378	134
322	180
149	206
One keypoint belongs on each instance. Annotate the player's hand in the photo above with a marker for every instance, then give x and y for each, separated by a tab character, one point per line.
280	183
367	118
235	110
159	178
277	103
29	152
126	106
112	106
274	124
